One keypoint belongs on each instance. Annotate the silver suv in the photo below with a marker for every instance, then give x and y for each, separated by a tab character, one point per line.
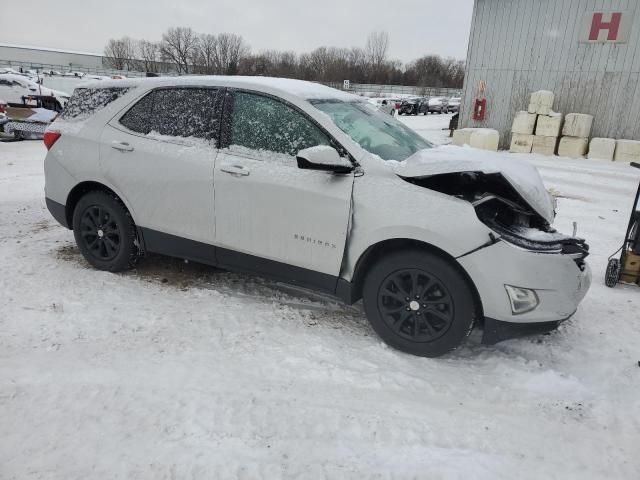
312	186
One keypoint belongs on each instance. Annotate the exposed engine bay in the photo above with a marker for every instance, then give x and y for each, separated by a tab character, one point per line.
499	206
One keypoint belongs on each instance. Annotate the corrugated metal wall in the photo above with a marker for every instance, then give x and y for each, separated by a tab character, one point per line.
25	55
519	46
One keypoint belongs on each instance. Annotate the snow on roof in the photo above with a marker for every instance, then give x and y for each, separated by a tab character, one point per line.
299	88
47	49
16	77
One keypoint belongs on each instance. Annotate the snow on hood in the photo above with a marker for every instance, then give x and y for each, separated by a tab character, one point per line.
522	176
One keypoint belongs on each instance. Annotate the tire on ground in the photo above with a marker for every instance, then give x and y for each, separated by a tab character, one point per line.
127	250
462	311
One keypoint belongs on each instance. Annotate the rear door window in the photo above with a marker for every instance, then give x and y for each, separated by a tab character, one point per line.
176	112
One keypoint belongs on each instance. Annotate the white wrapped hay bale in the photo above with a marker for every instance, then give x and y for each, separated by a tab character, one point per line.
461	136
521	143
577	125
627	151
485	139
544	145
602	148
524	123
541	102
549	125
573	147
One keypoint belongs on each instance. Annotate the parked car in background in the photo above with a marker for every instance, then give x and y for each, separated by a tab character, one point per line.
454	104
10	70
388	107
385	105
29	120
75	74
30	107
438	105
52	73
413	106
14	88
3	116
315	187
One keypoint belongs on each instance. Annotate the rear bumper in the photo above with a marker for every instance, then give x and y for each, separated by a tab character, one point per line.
58	211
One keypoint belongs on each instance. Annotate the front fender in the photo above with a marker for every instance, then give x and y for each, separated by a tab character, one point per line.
386	207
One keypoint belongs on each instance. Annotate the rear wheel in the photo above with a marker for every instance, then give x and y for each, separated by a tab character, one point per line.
419	303
105	232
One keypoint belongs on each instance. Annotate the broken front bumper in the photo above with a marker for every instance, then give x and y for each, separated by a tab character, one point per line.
559	281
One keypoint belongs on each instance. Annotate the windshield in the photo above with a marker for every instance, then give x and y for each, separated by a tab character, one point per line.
375	131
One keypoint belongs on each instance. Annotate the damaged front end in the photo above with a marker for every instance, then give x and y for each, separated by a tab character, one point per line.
504	210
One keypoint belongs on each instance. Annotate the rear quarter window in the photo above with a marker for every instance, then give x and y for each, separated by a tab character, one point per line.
87	101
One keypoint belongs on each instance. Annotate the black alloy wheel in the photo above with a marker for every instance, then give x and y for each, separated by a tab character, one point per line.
105	232
415	305
420	302
100	232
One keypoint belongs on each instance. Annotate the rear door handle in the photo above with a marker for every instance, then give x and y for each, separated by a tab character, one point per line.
122	146
235	170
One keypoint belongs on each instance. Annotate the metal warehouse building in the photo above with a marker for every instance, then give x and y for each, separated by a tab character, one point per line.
586	51
28	57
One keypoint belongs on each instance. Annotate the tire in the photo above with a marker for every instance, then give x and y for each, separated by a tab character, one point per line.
105	232
445	319
612	276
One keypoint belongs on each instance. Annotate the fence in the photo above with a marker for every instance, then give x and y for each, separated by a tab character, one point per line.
46	67
374	90
366	89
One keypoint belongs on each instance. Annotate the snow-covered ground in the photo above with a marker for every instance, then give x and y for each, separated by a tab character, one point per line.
179	371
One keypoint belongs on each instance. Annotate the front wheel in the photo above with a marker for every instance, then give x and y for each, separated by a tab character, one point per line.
105	232
419	303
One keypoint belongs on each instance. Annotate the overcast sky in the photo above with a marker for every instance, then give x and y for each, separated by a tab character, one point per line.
416	27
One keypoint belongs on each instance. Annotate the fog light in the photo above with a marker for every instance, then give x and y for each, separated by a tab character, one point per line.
522	300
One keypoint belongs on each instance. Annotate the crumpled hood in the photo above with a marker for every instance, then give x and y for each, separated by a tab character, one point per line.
523	176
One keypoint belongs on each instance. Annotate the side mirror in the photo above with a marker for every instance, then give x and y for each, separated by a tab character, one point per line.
323	157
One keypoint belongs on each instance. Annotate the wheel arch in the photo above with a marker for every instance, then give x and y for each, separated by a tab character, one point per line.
372	254
82	188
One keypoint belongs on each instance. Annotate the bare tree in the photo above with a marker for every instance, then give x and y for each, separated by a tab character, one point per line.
434	71
120	53
230	49
376	51
149	53
208	48
228	54
178	46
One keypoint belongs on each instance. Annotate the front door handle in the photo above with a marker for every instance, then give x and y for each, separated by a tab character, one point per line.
235	170
121	146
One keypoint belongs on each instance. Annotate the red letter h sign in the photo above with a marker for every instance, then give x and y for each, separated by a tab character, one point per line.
611	26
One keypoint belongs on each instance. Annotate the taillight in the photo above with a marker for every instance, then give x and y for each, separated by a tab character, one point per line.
50	138
3	107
